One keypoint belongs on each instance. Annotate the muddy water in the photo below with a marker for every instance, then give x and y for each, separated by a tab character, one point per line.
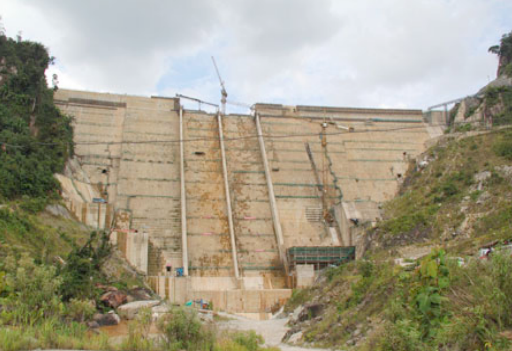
117	333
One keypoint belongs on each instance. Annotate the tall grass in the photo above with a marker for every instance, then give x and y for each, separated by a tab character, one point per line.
52	334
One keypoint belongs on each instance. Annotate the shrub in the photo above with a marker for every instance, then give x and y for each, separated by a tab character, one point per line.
138	333
299	296
52	334
402	336
250	340
242	341
80	310
503	146
182	330
83	264
32	292
466	127
33	205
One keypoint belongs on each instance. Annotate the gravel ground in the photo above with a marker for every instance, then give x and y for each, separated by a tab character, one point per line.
272	330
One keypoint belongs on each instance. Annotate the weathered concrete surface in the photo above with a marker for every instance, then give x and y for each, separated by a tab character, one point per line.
115	136
256	297
78	198
305	275
131	309
134	246
129	147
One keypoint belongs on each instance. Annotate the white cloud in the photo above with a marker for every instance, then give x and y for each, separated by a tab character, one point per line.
395	53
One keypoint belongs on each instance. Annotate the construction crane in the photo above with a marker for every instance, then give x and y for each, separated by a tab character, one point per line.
223	91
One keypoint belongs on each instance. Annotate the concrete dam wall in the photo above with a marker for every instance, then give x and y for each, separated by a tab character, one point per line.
254	186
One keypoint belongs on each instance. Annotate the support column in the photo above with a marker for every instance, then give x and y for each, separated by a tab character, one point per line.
184	243
273	205
228	197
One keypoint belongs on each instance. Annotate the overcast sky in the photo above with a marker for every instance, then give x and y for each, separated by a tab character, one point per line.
378	53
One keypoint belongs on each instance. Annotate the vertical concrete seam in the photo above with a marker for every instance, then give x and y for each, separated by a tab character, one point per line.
273	205
228	197
184	244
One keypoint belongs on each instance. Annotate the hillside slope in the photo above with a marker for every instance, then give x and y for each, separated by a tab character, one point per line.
53	270
456	198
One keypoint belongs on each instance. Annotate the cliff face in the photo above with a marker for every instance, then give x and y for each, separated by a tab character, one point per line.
491	105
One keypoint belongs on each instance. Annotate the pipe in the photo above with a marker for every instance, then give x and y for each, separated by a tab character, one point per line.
228	197
184	244
273	205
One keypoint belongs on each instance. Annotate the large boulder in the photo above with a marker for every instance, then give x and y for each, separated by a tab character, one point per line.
306	312
113	298
139	294
106	319
295	338
131	309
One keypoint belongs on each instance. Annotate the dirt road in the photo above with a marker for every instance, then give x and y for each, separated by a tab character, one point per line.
272	330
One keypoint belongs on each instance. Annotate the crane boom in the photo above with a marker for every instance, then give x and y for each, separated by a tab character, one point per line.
218	73
223	91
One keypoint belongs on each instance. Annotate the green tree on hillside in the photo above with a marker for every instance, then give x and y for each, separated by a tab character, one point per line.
504	52
35	137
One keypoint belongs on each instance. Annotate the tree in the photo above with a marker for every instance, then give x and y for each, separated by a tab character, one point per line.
504	52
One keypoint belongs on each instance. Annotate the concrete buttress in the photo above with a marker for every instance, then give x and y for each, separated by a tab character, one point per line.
273	205
228	197
184	245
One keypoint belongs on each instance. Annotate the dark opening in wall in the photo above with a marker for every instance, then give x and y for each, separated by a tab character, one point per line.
199	153
399	175
104	171
275	169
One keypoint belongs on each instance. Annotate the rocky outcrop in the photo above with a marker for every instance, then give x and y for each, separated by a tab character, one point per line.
478	108
131	309
113	298
501	81
139	294
101	320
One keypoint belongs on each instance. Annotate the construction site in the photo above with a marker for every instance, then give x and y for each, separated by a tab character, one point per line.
236	209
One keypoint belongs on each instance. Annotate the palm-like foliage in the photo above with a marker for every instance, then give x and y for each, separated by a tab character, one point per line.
504	52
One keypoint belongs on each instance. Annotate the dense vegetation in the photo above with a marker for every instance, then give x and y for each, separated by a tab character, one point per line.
35	138
49	265
439	305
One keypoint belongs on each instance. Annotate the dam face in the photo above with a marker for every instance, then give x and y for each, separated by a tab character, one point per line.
308	180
